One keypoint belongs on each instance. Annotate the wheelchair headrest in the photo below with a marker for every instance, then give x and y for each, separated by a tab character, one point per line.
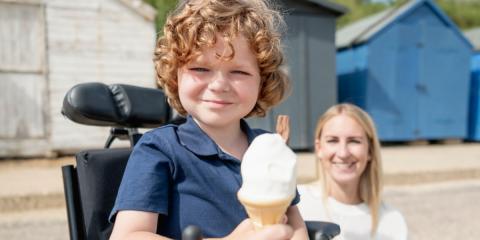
117	105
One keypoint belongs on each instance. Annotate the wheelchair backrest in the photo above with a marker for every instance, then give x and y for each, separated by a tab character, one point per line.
91	186
99	175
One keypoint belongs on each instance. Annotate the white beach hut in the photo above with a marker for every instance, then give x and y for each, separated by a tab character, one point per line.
48	46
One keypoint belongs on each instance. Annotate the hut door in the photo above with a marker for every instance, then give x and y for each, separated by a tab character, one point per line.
440	87
406	107
23	87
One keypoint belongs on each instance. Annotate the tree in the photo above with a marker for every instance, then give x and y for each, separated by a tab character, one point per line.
465	13
163	7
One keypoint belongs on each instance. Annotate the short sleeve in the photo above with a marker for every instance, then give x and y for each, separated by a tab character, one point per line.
146	180
296	199
393	224
401	229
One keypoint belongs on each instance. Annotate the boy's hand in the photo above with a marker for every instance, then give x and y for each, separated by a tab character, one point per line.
246	231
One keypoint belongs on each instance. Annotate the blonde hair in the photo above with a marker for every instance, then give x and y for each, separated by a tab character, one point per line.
194	25
371	179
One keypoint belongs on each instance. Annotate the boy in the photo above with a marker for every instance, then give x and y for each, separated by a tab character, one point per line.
218	62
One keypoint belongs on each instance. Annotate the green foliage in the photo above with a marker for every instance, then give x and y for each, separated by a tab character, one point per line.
465	13
163	7
358	9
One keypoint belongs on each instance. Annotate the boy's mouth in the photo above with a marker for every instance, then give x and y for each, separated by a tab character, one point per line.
218	102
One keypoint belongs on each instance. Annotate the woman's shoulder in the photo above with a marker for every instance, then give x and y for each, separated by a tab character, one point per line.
310	205
392	221
391	213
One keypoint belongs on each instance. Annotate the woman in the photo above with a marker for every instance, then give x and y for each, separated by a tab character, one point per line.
349	190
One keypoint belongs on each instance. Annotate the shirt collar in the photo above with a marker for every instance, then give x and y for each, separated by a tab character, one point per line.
196	140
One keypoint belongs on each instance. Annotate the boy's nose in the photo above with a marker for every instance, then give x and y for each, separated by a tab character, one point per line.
219	83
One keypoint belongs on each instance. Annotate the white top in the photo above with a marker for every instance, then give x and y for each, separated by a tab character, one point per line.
354	220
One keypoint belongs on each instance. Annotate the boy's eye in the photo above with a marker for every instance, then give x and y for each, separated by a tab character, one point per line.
199	69
241	72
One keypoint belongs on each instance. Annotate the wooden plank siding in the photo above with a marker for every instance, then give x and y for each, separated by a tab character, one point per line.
106	43
22	67
86	41
23	83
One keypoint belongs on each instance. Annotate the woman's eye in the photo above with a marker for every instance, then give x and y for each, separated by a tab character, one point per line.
331	140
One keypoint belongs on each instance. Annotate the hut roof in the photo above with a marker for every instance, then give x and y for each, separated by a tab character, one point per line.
364	29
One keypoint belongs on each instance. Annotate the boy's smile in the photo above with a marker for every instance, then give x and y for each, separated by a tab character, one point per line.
219	92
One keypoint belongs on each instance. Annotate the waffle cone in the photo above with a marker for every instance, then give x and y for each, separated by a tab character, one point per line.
265	213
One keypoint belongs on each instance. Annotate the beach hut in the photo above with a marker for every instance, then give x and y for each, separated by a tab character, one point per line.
409	67
474	111
48	46
310	51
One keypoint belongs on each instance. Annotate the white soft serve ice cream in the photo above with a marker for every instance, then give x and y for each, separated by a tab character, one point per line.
268	170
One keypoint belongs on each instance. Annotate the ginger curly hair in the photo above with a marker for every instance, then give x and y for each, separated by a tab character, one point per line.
193	27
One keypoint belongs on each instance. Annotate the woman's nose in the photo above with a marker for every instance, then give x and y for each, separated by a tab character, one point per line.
219	83
343	151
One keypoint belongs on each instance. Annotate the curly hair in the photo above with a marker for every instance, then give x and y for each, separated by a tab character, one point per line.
193	26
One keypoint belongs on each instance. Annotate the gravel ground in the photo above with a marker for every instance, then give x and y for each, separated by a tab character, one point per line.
46	224
439	211
435	211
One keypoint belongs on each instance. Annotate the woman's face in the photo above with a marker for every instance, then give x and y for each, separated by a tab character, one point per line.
343	149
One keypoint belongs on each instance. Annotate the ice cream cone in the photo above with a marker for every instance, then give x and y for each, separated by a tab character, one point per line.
265	213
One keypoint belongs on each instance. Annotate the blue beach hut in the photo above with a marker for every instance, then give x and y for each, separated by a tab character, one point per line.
409	67
474	110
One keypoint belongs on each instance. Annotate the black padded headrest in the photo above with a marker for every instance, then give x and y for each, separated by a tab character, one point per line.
118	105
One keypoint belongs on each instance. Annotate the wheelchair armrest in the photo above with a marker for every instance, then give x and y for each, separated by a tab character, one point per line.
322	230
316	231
117	105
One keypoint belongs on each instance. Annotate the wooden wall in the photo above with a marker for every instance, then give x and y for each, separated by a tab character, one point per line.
84	41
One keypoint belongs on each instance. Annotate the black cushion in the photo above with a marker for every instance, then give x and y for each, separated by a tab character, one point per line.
119	105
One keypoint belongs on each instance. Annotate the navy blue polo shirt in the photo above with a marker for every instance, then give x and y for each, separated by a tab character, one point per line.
182	174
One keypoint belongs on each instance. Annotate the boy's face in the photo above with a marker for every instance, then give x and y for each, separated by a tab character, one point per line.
219	92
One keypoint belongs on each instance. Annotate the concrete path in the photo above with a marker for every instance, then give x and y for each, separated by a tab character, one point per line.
440	210
37	184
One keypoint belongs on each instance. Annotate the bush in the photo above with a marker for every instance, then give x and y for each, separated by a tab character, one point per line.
465	13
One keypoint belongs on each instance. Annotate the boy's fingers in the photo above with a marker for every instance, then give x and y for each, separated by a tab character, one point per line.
275	232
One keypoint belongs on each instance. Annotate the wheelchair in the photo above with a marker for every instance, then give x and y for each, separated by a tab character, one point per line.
91	186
